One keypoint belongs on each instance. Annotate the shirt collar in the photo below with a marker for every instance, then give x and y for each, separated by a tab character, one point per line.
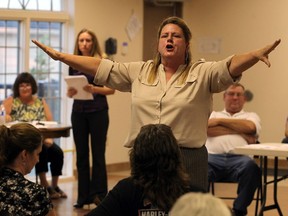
235	114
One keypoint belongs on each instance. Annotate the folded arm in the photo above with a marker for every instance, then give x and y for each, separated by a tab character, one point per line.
250	139
238	125
219	131
242	127
222	130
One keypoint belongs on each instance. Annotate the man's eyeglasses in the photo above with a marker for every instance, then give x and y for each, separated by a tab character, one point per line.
232	94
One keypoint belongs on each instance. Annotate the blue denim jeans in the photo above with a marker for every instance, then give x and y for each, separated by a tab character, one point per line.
236	168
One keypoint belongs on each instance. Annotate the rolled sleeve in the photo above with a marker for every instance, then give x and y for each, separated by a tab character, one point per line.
103	72
227	75
220	77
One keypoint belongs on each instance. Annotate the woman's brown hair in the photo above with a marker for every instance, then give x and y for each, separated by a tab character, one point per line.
19	137
156	166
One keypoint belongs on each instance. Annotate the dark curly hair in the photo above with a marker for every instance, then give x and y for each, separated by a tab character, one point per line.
156	166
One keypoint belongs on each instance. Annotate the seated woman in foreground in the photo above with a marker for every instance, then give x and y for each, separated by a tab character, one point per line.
157	177
20	146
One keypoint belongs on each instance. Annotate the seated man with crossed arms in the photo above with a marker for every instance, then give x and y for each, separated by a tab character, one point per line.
227	129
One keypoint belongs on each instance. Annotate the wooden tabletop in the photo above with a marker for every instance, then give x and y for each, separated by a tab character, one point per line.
49	129
55	131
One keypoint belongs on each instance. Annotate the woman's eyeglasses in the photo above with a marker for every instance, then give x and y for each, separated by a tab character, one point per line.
25	86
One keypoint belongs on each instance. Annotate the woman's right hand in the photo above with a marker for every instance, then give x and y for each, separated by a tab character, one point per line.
51	52
71	92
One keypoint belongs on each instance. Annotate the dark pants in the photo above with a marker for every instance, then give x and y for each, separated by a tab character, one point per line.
285	140
236	168
195	161
94	124
54	155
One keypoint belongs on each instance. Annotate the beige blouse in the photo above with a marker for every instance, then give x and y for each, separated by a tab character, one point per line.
185	108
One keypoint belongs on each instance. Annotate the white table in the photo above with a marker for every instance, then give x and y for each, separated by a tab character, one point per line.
265	150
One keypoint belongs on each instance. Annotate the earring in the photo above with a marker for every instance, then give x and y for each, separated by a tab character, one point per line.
186	57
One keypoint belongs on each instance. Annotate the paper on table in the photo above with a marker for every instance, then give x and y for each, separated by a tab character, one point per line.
78	82
44	123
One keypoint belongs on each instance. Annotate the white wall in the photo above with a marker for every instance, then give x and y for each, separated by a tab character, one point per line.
242	26
109	19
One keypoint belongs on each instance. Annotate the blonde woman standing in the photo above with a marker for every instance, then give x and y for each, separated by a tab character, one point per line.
90	119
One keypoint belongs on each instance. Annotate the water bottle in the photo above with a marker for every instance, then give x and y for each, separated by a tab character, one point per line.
2	114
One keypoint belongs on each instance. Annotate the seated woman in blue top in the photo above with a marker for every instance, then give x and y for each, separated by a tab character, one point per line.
157	178
20	146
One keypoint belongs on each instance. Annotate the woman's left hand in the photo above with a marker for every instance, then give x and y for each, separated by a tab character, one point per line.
262	54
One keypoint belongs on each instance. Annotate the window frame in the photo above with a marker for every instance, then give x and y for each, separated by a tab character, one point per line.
26	17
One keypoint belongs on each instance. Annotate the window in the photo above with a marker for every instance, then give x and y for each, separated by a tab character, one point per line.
50	5
46	21
9	55
45	70
16	32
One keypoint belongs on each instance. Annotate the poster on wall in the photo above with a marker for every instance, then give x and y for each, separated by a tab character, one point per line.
133	26
209	45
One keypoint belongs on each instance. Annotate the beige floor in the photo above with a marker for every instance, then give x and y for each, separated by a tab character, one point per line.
65	206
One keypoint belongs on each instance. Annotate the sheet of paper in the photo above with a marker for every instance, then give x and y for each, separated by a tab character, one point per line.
44	124
78	82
